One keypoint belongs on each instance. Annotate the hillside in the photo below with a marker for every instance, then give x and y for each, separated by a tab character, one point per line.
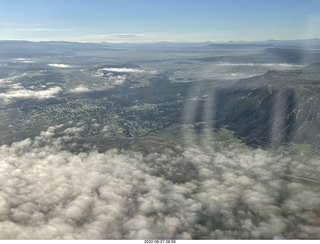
275	108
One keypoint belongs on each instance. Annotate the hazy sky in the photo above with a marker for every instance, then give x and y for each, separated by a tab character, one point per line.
159	20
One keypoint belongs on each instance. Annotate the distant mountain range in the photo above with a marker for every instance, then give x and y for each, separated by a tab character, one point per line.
307	43
12	49
271	55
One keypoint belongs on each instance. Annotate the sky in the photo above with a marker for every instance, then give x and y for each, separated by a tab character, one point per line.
155	20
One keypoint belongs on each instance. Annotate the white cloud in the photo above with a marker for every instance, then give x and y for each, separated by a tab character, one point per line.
229	192
60	65
19	93
112	80
80	88
105	128
127	70
96	125
117	79
23	60
12	78
16	86
74	130
123	70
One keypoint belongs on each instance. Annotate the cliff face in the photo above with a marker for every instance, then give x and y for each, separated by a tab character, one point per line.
273	109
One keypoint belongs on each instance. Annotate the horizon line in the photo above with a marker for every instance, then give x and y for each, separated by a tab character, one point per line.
172	42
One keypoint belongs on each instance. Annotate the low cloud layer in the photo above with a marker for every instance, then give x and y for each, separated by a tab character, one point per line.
80	88
127	70
226	70
112	79
60	65
24	60
18	93
228	192
115	80
9	80
123	70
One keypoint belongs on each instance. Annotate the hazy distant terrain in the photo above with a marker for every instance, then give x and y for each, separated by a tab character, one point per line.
163	140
